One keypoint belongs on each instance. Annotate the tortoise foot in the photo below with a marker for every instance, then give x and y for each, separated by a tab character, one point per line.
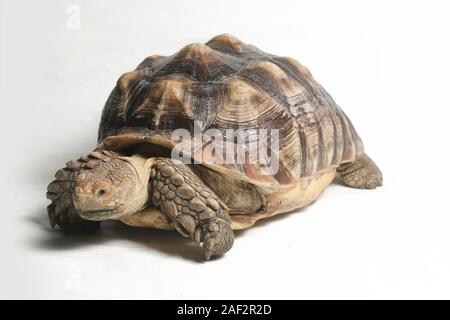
362	173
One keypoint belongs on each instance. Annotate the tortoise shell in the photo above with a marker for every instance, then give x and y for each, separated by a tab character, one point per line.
227	84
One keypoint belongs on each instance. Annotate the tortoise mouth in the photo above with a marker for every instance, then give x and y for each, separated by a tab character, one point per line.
97	215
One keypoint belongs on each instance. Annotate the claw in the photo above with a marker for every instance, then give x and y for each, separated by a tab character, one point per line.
197	236
207	255
180	229
54	187
52	196
210	246
218	238
51	215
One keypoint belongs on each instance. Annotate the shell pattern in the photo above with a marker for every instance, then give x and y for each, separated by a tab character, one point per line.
227	84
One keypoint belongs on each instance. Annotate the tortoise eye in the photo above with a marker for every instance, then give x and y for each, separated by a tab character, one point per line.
102	192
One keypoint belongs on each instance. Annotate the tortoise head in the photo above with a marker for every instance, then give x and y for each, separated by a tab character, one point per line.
111	189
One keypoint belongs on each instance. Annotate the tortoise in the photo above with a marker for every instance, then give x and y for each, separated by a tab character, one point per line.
227	91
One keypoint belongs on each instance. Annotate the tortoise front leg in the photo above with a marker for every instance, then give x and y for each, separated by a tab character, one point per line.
191	206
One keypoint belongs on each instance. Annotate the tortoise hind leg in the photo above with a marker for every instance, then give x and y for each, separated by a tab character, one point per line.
362	173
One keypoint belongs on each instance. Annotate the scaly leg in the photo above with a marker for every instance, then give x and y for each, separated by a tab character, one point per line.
191	206
362	173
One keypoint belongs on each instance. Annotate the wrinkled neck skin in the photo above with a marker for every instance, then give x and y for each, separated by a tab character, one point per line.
142	166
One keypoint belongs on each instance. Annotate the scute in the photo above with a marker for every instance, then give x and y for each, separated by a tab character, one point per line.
198	62
227	84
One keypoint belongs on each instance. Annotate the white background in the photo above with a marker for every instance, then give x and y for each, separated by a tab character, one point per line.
385	62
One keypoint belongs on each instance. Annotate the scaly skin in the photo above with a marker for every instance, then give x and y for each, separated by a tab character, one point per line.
362	173
104	185
61	211
192	207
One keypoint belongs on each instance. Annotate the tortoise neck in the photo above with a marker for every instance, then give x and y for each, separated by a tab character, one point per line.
142	167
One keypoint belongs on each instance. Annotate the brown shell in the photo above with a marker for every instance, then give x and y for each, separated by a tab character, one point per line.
227	84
